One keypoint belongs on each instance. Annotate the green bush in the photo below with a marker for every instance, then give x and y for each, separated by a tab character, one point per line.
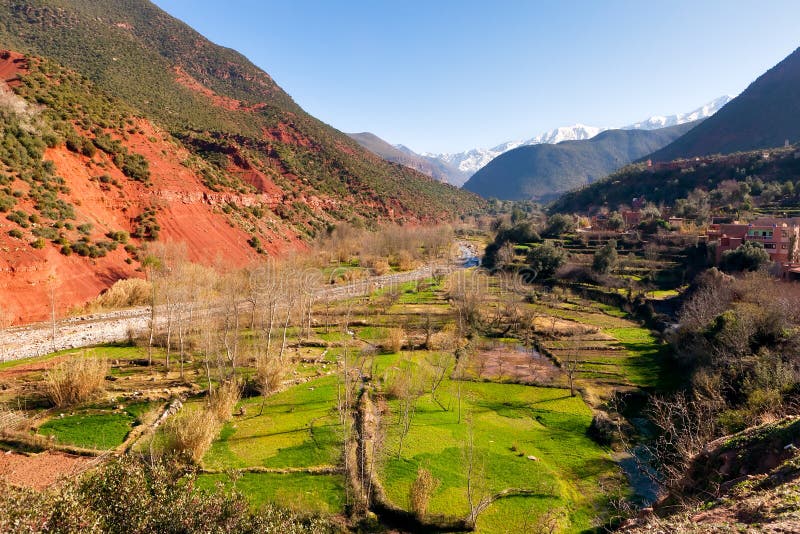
147	497
750	256
545	260
605	259
135	166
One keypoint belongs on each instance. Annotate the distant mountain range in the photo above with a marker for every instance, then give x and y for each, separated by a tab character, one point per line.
472	160
457	168
544	171
765	115
405	156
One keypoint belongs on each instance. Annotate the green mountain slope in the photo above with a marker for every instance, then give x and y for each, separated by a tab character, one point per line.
764	115
664	183
430	166
543	172
216	102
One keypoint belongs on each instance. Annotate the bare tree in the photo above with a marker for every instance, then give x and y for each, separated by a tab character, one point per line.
151	264
572	365
439	363
477	495
51	291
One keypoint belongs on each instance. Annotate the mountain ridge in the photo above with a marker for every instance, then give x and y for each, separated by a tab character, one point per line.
763	116
543	171
470	161
203	148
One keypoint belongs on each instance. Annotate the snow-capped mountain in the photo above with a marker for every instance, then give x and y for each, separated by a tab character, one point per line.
702	112
470	161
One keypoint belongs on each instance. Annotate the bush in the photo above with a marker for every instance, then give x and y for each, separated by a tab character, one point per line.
605	259
123	294
148	497
558	225
750	256
269	376
223	400
393	340
75	380
190	433
136	167
545	260
421	492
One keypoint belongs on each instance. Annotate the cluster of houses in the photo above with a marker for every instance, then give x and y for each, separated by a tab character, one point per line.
780	237
631	217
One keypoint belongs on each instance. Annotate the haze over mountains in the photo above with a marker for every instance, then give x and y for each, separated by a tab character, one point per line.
457	168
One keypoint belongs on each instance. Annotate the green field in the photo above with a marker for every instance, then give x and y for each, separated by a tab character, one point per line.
509	423
298	428
298	491
94	428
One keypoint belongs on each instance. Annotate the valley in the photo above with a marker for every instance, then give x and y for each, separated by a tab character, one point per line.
221	313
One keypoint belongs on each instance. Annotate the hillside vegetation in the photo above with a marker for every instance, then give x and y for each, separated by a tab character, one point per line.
158	134
733	176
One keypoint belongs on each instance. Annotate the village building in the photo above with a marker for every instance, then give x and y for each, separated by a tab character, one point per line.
780	237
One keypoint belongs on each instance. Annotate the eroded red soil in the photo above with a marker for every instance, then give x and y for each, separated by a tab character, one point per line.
39	471
12	65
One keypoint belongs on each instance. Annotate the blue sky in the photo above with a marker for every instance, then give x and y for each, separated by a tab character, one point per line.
445	75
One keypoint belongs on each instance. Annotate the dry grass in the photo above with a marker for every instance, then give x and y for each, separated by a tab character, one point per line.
191	433
123	294
223	400
75	380
421	492
393	342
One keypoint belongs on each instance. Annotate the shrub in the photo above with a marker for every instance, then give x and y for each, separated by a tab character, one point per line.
74	380
132	494
136	167
223	400
123	294
379	266
544	260
605	259
16	233
558	225
421	492
190	433
751	256
38	243
269	376
393	340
